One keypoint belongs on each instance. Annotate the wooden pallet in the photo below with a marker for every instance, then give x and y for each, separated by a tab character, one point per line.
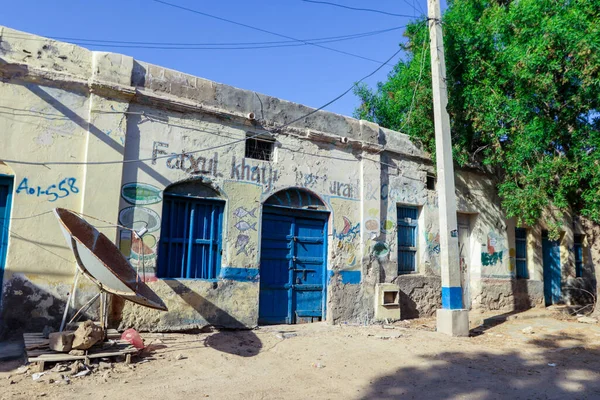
38	351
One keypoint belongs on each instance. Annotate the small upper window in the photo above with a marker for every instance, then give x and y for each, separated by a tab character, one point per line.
430	182
259	147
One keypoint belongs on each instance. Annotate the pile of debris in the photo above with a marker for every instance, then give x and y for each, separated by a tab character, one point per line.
75	342
87	342
63	373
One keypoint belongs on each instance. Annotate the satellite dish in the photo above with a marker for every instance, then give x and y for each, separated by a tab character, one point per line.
100	260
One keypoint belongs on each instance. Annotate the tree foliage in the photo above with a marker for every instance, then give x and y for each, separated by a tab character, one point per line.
524	98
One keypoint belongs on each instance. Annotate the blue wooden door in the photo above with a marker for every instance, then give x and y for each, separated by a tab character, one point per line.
292	266
551	251
5	201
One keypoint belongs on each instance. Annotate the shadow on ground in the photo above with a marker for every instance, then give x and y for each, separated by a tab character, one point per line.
561	368
241	343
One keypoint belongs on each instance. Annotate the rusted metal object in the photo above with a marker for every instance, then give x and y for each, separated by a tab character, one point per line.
101	261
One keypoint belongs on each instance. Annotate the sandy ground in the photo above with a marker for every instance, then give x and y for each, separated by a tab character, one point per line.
559	360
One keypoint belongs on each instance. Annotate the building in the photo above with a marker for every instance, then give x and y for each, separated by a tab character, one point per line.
255	210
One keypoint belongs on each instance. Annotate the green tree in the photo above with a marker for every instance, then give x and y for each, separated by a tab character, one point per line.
524	94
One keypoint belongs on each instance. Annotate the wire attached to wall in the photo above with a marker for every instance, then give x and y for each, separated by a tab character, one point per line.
156	157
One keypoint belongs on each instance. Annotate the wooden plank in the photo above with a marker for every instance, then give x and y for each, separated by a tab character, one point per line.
56	358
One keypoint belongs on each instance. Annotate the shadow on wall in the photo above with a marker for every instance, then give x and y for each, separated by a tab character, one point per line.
494	375
28	308
246	344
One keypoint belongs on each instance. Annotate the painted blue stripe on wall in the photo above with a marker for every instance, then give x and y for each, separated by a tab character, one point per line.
240	274
452	298
351	277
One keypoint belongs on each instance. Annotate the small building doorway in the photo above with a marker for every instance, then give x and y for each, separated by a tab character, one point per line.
551	265
464	236
293	258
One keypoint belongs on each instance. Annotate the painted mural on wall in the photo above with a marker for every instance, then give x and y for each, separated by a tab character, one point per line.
493	252
246	222
141	193
141	253
347	241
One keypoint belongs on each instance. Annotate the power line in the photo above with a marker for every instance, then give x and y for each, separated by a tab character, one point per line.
358	9
422	11
345	93
412	102
264	30
215	45
273	131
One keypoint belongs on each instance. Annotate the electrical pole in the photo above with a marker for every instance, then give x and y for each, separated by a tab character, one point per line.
452	318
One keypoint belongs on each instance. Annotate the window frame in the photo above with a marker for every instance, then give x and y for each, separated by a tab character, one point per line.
402	221
196	271
523	272
254	138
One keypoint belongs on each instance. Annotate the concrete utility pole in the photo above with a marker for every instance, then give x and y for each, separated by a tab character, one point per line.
452	319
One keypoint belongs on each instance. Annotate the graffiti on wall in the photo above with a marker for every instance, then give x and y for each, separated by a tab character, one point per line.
247	171
243	226
340	189
493	251
406	193
194	164
309	180
56	191
370	192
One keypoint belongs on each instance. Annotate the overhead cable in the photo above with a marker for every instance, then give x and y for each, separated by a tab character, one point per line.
264	30
358	9
206	46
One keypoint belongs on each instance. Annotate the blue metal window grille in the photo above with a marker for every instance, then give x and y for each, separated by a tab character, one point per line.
578	256
407	239
521	253
190	238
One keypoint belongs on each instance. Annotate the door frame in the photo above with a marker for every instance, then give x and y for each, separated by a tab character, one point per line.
4	233
321	215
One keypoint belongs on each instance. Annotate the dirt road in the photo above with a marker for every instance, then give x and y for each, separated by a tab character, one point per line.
557	360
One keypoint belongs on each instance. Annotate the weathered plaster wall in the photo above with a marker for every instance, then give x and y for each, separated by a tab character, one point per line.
46	115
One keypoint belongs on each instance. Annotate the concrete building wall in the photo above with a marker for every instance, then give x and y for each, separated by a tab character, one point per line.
59	102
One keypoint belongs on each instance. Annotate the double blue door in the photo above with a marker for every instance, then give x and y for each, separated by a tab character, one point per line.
292	268
551	259
5	202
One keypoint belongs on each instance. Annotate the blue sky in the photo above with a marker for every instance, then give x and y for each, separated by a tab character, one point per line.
303	74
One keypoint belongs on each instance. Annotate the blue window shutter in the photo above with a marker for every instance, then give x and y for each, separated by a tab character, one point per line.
407	239
578	248
190	241
521	253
